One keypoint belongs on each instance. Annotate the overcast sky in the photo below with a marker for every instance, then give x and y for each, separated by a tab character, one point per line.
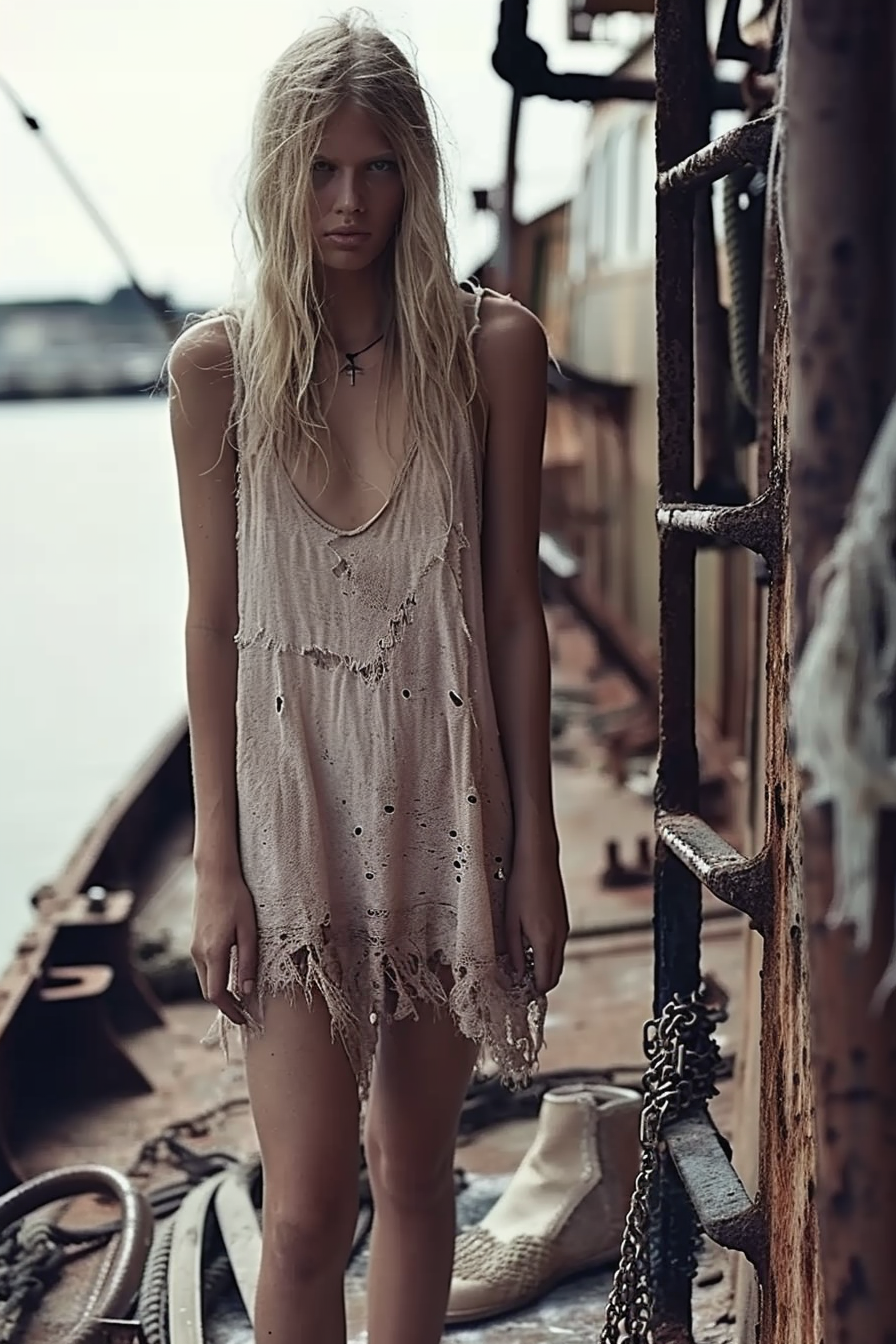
150	102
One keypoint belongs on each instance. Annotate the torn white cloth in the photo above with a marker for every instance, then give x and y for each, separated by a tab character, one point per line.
841	696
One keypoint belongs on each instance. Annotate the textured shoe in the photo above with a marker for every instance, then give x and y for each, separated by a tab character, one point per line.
564	1210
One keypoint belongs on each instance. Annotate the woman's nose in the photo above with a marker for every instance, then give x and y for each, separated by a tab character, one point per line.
350	195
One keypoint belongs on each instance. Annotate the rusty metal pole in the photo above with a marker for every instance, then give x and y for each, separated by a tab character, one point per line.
512	30
840	223
505	256
682	128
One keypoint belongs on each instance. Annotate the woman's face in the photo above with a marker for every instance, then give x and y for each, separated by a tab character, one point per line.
357	189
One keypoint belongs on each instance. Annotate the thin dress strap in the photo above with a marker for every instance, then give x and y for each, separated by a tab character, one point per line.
479	294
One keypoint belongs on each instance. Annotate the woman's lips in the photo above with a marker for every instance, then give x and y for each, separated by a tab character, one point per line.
348	240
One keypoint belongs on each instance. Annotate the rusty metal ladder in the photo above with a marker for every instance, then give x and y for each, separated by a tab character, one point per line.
699	1187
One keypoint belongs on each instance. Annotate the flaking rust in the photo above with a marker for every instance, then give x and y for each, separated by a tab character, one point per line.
841	262
782	1226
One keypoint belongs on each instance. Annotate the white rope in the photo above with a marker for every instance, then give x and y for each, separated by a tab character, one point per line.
841	694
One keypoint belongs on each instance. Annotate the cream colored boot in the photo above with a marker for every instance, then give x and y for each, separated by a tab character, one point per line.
564	1210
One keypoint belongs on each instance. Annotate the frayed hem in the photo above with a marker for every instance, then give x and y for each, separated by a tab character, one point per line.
506	1023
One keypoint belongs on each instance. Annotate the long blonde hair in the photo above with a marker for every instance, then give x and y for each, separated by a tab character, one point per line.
281	324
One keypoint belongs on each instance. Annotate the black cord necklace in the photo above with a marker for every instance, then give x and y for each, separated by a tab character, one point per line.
352	368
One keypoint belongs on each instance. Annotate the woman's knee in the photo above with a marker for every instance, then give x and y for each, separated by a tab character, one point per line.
308	1233
407	1173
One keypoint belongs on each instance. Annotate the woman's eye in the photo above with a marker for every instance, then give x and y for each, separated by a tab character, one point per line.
321	166
383	165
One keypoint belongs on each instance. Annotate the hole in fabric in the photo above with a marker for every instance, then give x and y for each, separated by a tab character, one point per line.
455	698
279	703
406	693
369	876
389	808
357	830
453	834
471	798
457	879
457	863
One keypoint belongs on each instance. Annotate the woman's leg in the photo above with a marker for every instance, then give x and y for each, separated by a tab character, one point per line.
305	1106
421	1076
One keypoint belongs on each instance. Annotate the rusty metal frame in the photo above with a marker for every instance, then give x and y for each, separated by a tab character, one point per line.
699	1188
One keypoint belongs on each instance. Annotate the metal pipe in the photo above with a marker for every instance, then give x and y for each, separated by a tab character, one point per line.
840	217
523	63
682	126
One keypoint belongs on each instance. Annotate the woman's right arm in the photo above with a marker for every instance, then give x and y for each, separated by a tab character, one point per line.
200	399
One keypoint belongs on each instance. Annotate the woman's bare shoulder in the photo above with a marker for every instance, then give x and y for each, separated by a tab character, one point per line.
201	358
512	340
501	316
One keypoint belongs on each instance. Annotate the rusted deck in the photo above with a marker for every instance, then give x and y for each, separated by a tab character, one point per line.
595	1021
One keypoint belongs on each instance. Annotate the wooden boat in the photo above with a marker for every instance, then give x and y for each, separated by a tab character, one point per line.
141	1141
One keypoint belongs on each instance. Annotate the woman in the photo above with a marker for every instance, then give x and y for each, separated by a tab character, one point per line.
378	894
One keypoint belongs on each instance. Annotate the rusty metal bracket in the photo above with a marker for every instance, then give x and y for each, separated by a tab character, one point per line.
756	526
740	882
744	146
731	45
523	64
723	1208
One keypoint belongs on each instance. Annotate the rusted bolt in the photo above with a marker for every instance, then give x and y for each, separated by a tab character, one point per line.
96	898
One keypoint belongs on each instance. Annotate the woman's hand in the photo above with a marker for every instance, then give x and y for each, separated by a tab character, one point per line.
224	919
536	917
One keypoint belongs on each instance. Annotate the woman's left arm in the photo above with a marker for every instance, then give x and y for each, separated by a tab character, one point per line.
513	358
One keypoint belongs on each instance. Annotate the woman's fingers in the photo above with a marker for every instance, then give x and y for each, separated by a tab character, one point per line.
557	964
246	957
201	973
547	953
515	944
218	992
543	955
545	958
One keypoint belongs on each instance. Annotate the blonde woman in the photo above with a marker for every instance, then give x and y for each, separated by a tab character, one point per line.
378	897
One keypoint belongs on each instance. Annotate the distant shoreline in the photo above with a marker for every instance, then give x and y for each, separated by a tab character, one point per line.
61	349
112	392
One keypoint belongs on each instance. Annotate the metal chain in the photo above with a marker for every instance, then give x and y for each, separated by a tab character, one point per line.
30	1262
683	1062
168	1146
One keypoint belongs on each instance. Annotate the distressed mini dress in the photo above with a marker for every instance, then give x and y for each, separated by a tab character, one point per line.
375	819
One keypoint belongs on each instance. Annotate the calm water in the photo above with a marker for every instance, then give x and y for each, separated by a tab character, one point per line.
93	592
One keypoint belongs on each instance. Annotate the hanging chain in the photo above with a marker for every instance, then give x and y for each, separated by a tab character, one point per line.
683	1063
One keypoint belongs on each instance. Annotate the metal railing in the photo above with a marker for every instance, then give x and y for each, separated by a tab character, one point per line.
699	1188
